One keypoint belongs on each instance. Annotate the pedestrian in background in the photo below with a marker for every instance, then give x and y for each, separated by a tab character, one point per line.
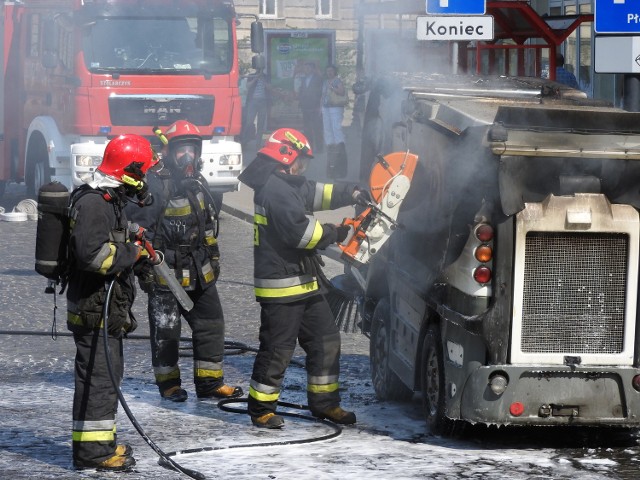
360	89
310	103
182	223
563	75
334	99
289	280
257	108
101	254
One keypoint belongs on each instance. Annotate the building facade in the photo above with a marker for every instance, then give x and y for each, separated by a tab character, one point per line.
383	49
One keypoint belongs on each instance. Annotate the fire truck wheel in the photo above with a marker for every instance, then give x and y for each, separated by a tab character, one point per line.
433	386
38	172
385	382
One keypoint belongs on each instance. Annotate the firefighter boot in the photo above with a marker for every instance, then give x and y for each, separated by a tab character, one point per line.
175	394
268	420
124	450
217	390
336	415
116	463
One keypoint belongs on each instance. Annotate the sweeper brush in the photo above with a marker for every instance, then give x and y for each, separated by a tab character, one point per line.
345	298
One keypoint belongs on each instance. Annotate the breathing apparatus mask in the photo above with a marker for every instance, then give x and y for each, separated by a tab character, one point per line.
135	186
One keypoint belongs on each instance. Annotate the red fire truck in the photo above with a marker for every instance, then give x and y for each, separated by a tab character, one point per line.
79	72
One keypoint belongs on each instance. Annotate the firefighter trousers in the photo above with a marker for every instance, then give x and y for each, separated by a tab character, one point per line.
95	399
311	322
207	325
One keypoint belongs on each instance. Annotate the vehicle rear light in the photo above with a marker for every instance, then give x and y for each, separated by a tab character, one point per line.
484	232
484	253
516	409
482	274
636	382
498	383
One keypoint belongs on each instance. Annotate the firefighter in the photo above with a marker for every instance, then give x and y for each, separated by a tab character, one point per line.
288	279
182	223
100	252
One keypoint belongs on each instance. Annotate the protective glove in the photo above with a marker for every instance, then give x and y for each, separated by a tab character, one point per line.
361	197
144	271
341	233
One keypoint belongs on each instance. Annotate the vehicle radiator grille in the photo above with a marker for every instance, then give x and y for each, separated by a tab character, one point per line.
574	292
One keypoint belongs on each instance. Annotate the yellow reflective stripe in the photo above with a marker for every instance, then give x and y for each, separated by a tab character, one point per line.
332	387
326	196
209	239
259	219
108	262
315	238
76	319
178	212
263	397
203	372
163	377
286	291
94	436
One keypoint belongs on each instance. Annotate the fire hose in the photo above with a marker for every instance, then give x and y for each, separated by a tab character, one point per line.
105	335
165	458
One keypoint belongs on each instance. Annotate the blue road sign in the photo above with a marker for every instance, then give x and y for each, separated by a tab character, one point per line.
617	16
458	7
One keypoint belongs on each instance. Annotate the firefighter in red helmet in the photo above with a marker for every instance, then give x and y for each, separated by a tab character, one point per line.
182	222
99	252
288	279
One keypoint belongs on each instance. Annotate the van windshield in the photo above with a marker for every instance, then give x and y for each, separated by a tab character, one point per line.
167	45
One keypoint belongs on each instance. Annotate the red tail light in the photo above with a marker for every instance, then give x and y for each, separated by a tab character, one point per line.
482	274
484	232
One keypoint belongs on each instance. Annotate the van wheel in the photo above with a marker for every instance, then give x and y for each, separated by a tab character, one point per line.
386	383
434	387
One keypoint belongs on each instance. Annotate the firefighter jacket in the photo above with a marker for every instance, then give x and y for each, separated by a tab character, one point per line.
286	236
99	251
181	222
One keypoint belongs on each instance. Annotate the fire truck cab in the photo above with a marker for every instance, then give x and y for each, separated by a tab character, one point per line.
79	72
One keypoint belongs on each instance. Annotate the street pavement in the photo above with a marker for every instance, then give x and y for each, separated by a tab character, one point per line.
389	441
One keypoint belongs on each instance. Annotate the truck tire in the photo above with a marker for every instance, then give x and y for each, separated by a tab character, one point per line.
386	383
434	386
38	172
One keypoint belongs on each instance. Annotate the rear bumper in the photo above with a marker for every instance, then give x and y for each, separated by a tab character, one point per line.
589	396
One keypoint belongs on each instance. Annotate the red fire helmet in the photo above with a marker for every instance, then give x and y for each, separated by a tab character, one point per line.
128	154
285	145
182	132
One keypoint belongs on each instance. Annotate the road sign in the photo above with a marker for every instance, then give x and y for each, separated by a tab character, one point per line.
617	16
457	7
445	27
617	54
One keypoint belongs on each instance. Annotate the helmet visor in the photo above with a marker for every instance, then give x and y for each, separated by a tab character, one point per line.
185	155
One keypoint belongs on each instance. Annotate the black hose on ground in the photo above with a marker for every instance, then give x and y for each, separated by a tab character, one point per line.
166	460
336	429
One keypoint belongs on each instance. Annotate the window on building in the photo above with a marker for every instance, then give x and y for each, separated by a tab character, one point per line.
268	8
323	8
